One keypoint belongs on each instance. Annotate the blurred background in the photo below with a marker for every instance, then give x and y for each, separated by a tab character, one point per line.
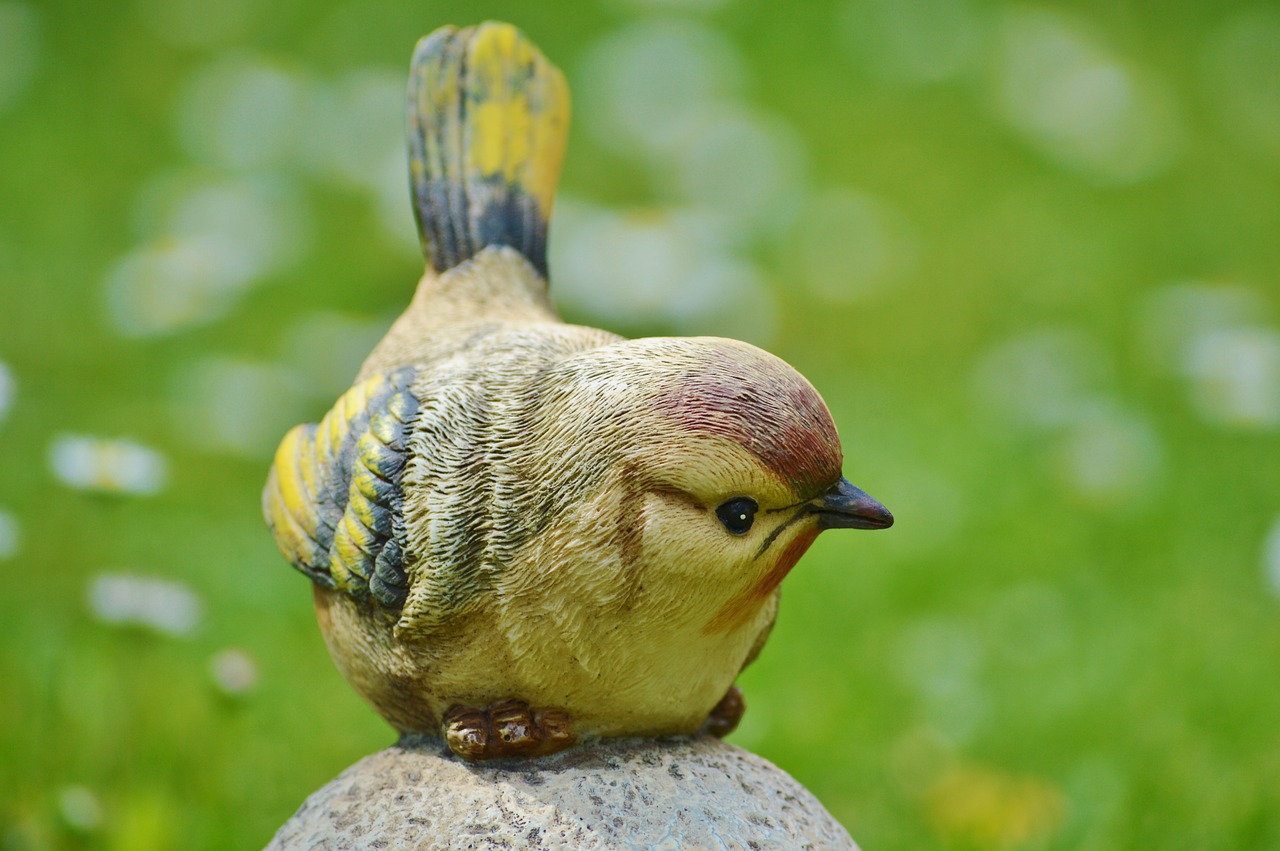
1029	254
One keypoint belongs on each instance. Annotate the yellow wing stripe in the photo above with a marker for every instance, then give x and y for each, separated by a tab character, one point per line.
333	495
294	477
297	543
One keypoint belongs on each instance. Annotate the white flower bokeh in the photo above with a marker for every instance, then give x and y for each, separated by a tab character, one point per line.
108	465
161	605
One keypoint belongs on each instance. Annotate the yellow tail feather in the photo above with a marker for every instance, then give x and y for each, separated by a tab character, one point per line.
488	119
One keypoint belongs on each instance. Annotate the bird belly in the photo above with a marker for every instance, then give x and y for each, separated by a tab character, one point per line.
624	675
615	676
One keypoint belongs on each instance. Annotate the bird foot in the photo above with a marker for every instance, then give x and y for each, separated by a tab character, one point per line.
506	729
726	714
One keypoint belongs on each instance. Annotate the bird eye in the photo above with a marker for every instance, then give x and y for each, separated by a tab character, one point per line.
738	514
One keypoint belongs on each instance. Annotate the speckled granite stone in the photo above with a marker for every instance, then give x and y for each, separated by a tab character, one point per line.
665	794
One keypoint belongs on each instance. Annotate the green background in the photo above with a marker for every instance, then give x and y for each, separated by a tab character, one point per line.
1028	254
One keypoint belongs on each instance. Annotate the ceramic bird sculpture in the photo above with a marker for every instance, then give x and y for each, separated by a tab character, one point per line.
521	532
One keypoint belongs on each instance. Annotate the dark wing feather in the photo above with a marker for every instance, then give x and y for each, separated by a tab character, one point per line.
333	498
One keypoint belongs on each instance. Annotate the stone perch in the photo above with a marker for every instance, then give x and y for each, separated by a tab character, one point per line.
620	793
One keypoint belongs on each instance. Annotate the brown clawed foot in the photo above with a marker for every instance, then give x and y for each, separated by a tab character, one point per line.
506	729
466	732
726	714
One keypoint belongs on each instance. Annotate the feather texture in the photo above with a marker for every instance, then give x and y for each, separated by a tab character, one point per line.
333	499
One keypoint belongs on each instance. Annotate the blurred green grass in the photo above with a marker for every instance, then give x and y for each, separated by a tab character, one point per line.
1070	638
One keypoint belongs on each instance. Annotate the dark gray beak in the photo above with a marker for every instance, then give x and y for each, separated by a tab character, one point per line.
848	507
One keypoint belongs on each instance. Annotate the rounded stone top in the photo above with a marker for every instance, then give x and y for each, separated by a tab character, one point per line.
618	793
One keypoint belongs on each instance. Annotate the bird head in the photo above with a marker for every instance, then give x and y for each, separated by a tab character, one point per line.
723	465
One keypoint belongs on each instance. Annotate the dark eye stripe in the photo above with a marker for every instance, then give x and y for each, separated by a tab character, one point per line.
801	513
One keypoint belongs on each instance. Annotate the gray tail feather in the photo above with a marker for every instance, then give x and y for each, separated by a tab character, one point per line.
488	118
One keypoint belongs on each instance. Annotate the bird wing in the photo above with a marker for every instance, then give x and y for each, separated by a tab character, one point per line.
333	496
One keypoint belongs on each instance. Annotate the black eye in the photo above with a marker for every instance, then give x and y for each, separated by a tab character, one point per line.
738	514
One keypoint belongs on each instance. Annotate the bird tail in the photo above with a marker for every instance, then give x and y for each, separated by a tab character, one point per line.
488	118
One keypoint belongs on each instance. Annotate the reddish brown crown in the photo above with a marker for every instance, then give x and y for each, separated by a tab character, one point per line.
767	407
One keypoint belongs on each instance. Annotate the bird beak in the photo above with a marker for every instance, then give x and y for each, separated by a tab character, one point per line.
848	507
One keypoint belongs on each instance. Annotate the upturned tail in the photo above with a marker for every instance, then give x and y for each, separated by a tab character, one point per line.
488	118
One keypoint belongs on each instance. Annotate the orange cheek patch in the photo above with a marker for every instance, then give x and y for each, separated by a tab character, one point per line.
739	610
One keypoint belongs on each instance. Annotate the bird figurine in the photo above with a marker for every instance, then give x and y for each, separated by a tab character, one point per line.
523	533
